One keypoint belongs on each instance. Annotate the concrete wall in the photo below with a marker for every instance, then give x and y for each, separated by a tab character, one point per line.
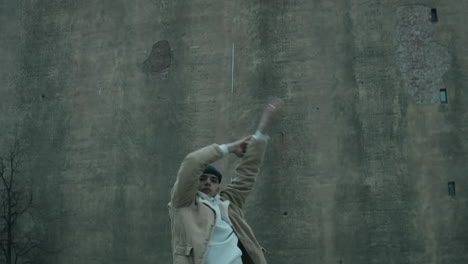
109	96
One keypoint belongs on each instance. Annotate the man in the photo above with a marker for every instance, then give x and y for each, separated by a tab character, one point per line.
208	225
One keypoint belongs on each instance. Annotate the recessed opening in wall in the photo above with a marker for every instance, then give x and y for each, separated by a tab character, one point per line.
451	189
434	15
443	96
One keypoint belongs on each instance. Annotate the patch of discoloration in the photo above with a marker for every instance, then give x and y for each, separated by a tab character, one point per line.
159	59
422	61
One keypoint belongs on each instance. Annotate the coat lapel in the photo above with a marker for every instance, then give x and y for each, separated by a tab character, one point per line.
223	207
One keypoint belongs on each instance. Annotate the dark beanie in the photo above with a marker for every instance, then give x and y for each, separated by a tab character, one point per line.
212	170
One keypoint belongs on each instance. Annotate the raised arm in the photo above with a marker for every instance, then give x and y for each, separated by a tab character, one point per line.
249	167
187	183
186	186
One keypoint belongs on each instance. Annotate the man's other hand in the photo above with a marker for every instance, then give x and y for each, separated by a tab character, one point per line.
270	114
239	147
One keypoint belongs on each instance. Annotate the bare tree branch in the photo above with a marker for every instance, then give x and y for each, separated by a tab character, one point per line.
4	180
17	245
2	166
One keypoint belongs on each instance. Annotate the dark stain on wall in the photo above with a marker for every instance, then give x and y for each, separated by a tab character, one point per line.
159	59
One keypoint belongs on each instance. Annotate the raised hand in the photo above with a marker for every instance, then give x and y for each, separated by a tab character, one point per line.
270	114
239	147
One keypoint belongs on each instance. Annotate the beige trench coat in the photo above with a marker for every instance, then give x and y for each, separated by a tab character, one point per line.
193	221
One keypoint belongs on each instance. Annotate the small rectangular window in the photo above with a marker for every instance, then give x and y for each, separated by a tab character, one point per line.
434	15
451	189
443	96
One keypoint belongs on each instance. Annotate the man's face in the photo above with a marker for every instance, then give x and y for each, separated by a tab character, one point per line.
209	184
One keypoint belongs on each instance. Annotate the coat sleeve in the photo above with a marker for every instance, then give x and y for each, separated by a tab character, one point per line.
246	172
186	185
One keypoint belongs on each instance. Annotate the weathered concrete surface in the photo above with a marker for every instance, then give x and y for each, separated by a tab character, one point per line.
110	95
422	61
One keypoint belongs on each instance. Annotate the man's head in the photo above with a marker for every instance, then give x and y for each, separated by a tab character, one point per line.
210	181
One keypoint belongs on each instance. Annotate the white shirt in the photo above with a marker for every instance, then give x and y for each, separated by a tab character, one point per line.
222	248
